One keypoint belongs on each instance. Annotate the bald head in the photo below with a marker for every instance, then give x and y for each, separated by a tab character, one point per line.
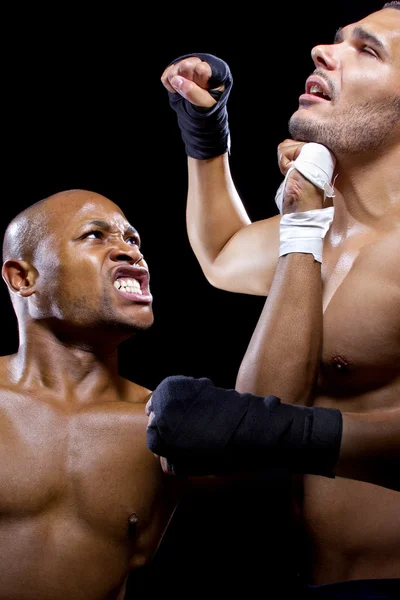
29	228
62	257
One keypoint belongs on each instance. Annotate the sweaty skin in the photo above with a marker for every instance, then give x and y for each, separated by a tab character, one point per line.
84	500
353	527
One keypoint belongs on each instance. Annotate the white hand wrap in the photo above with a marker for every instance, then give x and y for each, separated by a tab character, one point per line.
316	163
305	232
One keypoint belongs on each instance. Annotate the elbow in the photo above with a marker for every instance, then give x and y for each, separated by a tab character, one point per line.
215	275
212	275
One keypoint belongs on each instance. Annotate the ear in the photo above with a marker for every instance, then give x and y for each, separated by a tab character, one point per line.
20	277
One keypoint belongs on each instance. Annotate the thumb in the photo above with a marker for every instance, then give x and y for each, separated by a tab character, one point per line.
192	92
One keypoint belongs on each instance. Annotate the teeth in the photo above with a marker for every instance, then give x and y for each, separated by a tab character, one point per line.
316	89
130	285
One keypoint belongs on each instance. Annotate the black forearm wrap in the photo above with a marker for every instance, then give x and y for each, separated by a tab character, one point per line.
205	132
204	430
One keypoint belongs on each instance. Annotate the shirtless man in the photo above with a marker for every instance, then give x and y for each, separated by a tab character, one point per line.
83	502
352	106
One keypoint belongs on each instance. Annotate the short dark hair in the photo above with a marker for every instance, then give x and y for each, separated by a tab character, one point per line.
394	4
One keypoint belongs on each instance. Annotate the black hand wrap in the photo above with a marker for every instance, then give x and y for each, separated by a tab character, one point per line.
205	430
205	132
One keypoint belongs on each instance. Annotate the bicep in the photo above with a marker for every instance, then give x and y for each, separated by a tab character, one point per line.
247	262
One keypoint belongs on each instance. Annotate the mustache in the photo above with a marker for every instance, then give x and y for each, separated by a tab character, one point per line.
331	86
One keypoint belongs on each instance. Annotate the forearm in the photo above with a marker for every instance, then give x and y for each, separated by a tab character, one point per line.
225	242
205	430
284	352
215	211
227	245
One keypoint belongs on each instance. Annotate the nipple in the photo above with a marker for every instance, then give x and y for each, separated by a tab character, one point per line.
340	364
132	520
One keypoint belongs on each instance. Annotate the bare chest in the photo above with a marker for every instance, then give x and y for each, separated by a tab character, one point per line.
361	344
90	466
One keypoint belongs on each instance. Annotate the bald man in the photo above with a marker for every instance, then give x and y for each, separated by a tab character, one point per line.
82	500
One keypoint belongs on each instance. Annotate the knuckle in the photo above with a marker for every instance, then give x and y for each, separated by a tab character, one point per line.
202	69
187	65
293	189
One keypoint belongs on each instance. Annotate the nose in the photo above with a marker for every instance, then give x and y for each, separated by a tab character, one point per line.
325	57
124	252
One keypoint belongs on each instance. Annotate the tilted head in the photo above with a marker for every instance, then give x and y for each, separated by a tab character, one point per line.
352	100
73	262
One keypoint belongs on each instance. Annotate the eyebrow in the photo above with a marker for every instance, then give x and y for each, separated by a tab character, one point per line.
362	34
107	227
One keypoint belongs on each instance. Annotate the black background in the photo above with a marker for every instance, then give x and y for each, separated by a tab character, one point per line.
83	107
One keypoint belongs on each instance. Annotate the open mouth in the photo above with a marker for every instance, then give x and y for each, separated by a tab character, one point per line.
318	88
132	283
128	285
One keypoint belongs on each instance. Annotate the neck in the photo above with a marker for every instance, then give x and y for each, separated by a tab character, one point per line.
67	368
367	190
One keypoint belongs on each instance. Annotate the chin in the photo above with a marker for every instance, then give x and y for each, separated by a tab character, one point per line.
143	322
140	316
303	128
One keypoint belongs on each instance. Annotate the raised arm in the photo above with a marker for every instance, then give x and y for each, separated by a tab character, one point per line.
283	355
234	254
292	316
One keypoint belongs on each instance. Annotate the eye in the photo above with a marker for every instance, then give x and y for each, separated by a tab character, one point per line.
133	241
94	234
369	50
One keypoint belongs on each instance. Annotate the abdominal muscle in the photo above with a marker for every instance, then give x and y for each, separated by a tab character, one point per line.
353	527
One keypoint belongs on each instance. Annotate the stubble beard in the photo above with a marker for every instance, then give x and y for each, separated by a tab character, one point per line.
363	128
